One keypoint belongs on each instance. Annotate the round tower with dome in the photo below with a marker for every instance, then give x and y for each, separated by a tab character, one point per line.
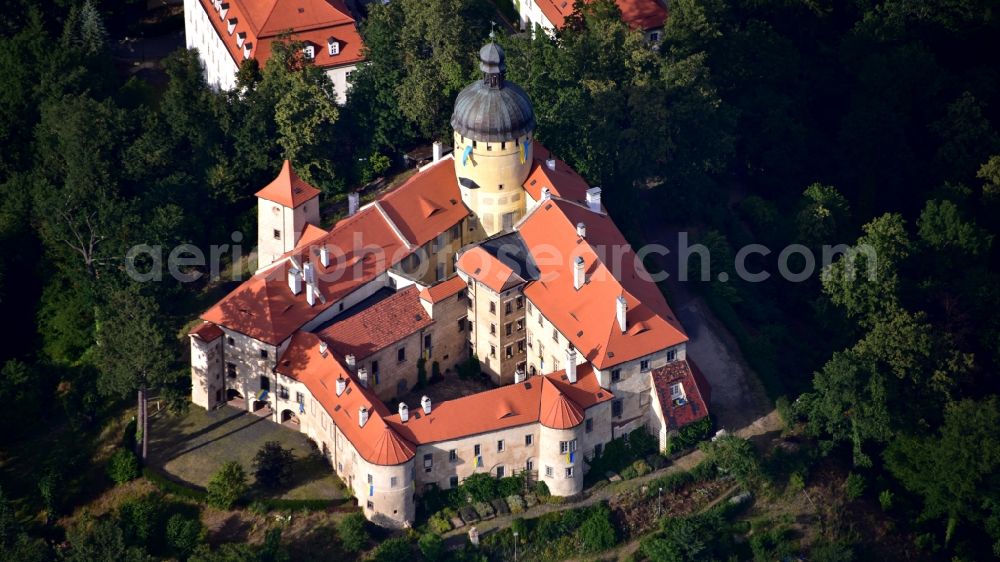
493	124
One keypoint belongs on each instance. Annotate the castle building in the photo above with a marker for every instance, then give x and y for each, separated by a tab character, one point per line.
228	32
498	252
647	16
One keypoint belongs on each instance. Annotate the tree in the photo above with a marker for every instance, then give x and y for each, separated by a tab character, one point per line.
431	547
100	541
123	466
954	470
942	227
305	115
352	531
15	544
393	550
133	354
734	455
272	465
227	486
823	217
183	535
596	533
21	388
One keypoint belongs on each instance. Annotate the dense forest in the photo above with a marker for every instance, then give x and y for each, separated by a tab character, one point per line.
858	122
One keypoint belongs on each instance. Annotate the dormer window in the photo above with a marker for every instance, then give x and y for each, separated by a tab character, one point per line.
217	4
231	25
677	395
332	47
223	10
309	52
247	47
240	38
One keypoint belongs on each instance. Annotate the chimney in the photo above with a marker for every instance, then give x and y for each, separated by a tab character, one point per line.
353	202
363	377
324	255
322	348
546	193
425	403
404	412
550	163
437	150
351	361
594	199
362	416
579	276
341	386
571	365
581	230
621	309
309	272
294	280
310	295
519	375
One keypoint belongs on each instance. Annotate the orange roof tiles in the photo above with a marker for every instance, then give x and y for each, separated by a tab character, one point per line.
562	182
588	316
379	325
487	269
638	14
504	407
206	331
427	204
311	21
376	441
311	233
449	287
694	406
362	247
288	188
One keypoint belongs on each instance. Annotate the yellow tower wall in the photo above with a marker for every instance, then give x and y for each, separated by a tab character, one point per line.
497	169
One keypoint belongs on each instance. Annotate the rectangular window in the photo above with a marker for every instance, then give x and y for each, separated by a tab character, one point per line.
508	329
493	307
520	346
598	449
493	329
500	446
277	234
548	471
300	398
263	354
644	365
589	425
555	335
370	480
616	375
520	302
519	325
528	440
371	506
231	370
476	450
529	308
265	383
282	392
508	307
453	482
677	392
672	355
569	472
509	352
375	371
493	351
230	341
393	482
529	466
500	471
616	408
461	323
567	446
401	354
453	456
428	462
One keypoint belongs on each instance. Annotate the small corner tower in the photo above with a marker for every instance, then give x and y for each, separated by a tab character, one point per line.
493	124
284	208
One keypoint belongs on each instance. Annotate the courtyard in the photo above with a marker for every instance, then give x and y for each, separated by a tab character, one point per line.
191	448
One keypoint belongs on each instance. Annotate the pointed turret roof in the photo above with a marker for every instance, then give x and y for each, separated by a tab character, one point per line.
558	411
288	188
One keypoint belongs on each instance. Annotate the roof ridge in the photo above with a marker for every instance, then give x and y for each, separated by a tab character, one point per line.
395	229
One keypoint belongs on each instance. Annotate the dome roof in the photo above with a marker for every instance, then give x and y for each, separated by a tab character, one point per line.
492	109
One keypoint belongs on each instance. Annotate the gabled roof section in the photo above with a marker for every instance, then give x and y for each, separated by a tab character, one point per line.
508	406
378	326
447	288
694	406
480	265
376	441
588	317
562	182
288	188
362	247
427	204
310	234
206	331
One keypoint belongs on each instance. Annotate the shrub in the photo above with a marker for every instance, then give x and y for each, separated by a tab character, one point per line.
641	467
596	533
796	483
734	455
140	518
470	368
854	486
689	435
785	410
183	535
542	490
227	486
628	473
393	550
440	522
480	487
353	534
421	372
885	500
515	503
509	486
272	465
123	466
431	547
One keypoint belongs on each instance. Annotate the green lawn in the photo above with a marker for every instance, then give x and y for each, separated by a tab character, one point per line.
193	447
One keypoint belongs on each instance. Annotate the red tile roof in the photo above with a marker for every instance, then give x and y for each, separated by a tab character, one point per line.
427	204
310	234
312	21
639	14
288	188
376	441
562	182
447	288
362	247
206	331
588	316
545	399
487	269
378	326
694	407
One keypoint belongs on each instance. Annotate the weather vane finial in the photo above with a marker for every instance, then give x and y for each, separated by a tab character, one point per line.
493	32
